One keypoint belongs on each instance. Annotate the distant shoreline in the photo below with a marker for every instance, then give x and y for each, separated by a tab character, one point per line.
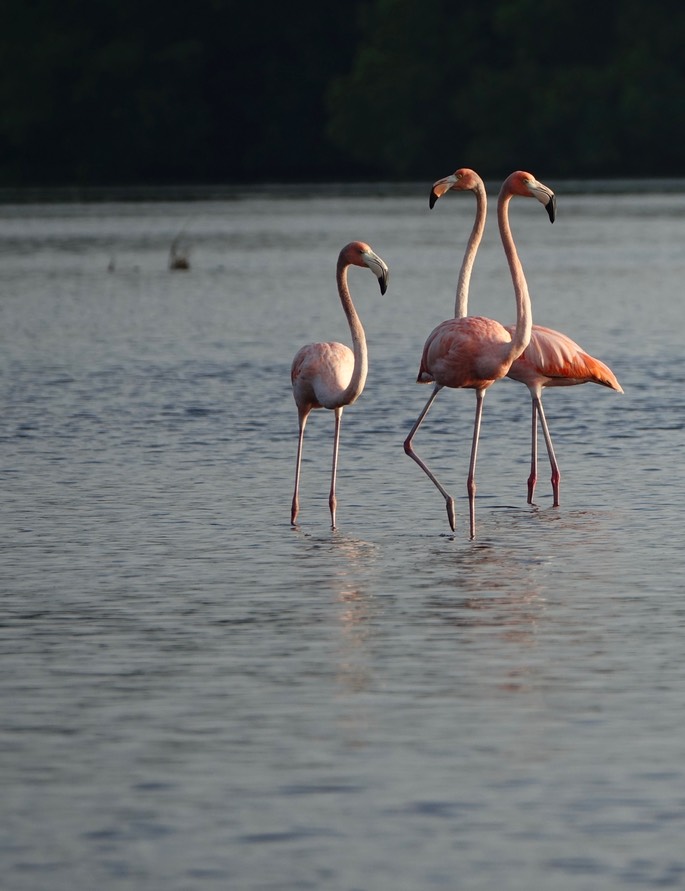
241	191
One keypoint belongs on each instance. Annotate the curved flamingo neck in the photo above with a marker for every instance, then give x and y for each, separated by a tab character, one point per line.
461	303
361	360
524	316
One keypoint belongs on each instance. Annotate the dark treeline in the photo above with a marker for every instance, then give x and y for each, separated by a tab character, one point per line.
107	92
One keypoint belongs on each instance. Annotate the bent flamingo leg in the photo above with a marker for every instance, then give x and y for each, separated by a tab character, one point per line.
449	500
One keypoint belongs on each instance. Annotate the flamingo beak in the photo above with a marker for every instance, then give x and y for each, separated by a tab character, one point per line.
379	269
383	279
551	208
439	188
545	196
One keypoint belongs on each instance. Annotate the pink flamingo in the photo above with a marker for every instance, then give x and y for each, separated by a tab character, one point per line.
550	360
473	352
331	375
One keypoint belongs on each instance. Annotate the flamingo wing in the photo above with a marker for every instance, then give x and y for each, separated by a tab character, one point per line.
552	359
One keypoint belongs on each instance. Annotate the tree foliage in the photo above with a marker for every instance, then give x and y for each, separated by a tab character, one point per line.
117	92
581	88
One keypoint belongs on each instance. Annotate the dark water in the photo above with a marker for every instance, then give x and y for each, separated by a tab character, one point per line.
196	696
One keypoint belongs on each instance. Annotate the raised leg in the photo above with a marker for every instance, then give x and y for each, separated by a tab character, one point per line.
449	500
533	478
471	481
332	501
556	473
295	509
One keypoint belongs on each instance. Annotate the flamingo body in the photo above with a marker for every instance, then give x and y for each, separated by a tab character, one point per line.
331	375
320	373
469	353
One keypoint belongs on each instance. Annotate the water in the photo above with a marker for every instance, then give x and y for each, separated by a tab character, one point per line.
196	696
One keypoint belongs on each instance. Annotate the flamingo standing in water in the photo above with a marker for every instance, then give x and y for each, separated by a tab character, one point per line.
550	360
331	375
473	352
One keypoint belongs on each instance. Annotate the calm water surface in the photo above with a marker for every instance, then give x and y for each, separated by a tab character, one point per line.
196	696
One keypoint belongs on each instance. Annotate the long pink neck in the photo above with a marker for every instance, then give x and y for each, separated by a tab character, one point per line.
461	303
524	316
361	359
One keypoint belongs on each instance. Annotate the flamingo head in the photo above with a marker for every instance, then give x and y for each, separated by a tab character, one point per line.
522	183
358	253
461	180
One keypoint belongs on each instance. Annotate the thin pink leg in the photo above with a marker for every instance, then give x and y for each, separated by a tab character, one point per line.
296	496
471	481
533	478
449	500
332	501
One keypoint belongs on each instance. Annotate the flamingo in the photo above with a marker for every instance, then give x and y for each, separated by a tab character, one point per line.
331	375
550	360
473	352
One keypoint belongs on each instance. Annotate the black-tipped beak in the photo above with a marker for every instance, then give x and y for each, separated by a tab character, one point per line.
383	281
551	208
439	188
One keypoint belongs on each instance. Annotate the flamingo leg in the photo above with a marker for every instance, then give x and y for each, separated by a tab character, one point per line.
556	473
471	481
449	500
332	501
296	496
533	478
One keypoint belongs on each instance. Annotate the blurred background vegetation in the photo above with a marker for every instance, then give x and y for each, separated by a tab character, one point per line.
117	92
